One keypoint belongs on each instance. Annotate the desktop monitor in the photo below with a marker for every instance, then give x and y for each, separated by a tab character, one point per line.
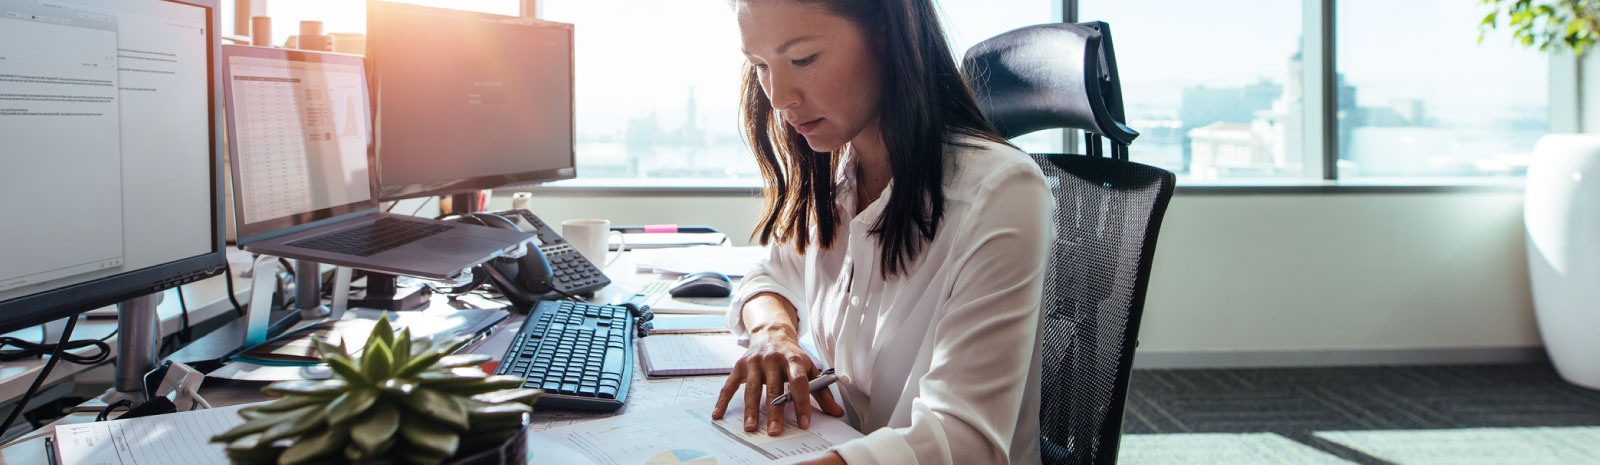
464	101
109	142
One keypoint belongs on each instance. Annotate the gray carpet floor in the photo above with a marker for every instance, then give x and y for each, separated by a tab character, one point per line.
1375	415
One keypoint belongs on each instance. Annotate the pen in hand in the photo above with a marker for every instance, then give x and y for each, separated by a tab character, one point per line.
821	382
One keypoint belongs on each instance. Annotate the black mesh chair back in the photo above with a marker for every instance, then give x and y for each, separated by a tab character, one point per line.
1108	213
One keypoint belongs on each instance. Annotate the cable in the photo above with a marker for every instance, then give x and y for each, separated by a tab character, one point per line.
30	349
228	269
106	413
183	307
109	336
66	335
567	295
391	206
419	207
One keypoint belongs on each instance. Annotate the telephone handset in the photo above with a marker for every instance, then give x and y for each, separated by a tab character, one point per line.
550	263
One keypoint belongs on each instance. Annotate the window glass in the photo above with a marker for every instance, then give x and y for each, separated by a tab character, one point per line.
1214	88
664	111
1420	97
341	16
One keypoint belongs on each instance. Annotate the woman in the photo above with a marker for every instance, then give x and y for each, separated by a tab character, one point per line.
911	235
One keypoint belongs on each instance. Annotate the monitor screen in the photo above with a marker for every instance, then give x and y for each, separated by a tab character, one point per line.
111	178
299	131
466	101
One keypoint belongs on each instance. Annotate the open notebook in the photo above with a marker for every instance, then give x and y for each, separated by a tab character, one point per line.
689	354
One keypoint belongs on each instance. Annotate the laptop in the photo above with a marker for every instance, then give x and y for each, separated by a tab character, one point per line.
300	138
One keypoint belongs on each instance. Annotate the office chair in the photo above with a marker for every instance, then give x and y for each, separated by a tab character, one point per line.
1108	212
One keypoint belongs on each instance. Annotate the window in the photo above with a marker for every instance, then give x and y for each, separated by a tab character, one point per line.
1421	98
340	16
658	85
1214	88
1217	90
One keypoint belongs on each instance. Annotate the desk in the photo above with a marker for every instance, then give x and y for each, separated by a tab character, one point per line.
644	395
207	300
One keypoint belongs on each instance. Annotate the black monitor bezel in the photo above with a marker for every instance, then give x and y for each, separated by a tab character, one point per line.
386	192
54	304
274	227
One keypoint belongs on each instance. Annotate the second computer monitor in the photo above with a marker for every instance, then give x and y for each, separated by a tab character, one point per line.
466	101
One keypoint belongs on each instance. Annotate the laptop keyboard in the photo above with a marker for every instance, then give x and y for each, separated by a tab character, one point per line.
372	238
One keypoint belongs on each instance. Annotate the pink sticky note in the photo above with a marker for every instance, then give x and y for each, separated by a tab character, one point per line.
660	228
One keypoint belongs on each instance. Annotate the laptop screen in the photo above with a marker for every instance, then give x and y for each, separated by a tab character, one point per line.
300	133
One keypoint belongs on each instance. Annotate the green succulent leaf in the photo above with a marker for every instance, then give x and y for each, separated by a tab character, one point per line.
307	419
522	396
351	405
450	380
432	437
398	388
346	368
463	360
377	361
489	384
319	446
251	426
402	348
375	428
327	388
485	410
247	442
447	409
283	405
382	331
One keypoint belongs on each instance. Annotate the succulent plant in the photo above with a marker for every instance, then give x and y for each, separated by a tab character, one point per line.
402	402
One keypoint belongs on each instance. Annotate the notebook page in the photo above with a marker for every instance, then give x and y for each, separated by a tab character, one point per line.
690	354
176	438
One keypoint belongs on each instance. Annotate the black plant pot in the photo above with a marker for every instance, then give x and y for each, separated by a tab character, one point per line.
514	451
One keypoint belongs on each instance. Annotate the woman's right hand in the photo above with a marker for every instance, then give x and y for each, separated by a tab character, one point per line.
773	360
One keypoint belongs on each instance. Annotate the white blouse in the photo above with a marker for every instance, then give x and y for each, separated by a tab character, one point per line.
938	365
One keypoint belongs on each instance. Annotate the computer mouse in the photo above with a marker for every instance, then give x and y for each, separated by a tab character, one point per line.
702	284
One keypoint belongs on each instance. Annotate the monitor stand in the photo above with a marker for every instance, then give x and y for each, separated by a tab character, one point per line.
308	290
138	343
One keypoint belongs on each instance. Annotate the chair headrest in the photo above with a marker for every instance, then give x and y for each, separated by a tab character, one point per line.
1049	76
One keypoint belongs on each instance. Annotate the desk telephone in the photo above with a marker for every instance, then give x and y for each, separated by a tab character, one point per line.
552	266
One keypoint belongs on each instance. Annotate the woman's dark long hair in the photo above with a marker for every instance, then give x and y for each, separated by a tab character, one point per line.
924	105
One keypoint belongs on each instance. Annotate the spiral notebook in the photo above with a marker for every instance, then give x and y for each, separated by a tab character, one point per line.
690	354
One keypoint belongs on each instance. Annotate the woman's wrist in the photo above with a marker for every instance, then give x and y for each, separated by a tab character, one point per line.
774	331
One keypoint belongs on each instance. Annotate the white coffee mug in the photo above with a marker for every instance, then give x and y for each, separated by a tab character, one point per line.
590	237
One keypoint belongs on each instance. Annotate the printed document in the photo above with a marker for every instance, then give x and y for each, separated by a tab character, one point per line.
176	438
685	434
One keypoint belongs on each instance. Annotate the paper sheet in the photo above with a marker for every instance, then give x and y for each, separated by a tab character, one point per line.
685	434
690	354
731	261
174	439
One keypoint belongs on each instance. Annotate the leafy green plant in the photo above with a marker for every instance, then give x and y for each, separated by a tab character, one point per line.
402	401
1547	24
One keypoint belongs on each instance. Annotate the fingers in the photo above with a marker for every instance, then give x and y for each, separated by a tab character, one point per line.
800	390
773	366
752	396
728	388
829	406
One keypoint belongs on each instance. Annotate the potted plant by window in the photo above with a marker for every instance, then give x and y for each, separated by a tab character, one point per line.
401	402
1561	205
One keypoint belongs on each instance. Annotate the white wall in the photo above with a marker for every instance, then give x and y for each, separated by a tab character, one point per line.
1278	273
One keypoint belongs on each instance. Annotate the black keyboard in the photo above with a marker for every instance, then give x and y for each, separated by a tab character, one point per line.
372	238
580	354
